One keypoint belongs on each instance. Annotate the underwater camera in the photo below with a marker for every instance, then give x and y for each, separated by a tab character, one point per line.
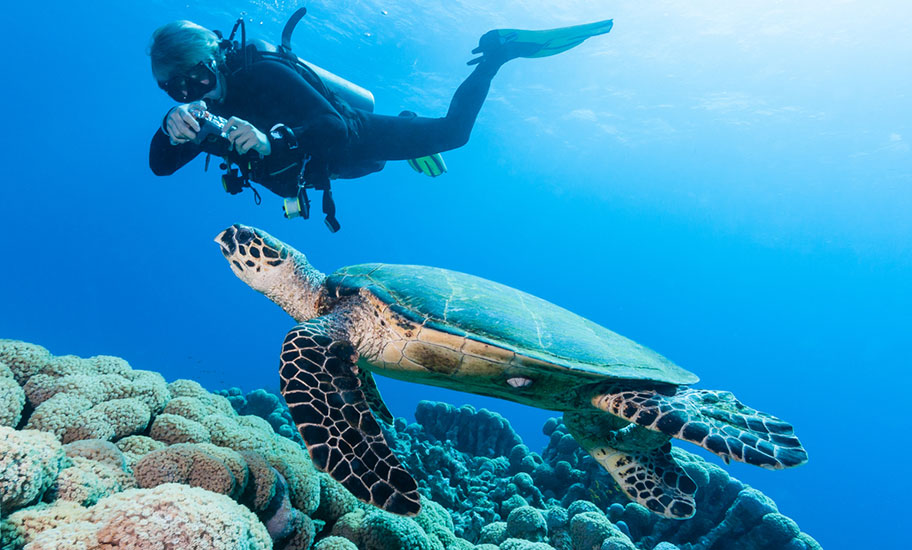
212	140
211	137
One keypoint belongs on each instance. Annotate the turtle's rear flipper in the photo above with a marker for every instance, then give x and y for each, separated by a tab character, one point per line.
714	420
649	477
323	392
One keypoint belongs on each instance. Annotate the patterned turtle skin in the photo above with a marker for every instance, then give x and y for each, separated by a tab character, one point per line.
621	401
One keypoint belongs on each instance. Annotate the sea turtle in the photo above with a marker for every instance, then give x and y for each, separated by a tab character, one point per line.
621	401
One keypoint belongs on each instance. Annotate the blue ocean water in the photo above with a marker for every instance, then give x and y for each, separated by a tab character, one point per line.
726	184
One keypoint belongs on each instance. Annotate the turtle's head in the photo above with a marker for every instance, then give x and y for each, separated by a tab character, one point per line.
274	268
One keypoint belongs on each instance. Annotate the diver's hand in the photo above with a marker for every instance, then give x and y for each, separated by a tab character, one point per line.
244	137
180	124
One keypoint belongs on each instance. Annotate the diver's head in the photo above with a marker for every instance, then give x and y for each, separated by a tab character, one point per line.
185	61
273	268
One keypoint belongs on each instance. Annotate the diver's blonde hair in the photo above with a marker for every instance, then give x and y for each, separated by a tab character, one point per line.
178	46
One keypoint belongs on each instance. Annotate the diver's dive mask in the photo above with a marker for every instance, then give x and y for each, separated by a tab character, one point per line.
192	85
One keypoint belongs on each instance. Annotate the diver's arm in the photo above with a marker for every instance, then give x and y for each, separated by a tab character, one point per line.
165	159
318	128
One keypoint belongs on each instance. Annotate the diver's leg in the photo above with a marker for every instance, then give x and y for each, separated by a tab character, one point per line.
400	138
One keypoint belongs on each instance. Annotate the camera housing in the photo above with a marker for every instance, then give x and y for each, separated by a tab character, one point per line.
211	137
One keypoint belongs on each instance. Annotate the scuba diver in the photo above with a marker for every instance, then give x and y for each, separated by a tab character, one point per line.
288	125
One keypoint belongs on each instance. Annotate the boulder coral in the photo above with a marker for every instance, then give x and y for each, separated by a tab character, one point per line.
127	428
176	515
12	398
29	463
108	456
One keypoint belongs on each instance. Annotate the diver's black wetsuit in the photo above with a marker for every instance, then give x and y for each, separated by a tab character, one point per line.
347	145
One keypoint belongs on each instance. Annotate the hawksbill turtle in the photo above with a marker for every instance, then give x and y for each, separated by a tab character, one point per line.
621	401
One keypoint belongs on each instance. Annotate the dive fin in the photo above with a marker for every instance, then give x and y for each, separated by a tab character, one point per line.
502	45
431	165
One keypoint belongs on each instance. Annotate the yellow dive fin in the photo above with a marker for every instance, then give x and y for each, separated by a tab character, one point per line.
431	165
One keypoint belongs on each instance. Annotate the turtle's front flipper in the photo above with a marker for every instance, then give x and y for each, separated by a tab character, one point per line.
323	392
372	395
714	420
650	477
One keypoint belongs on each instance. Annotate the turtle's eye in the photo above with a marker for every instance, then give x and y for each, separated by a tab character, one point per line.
244	235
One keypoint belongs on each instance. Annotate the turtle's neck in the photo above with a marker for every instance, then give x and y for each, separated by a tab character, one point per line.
298	288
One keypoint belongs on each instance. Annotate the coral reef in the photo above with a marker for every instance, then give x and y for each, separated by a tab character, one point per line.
12	398
114	441
108	456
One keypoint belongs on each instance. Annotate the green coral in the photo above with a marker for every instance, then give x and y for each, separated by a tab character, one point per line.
193	408
527	523
12	398
522	544
192	389
384	531
186	517
112	419
97	450
171	429
58	413
335	500
29	464
188	464
23	359
22	526
591	529
493	533
86	481
135	447
335	543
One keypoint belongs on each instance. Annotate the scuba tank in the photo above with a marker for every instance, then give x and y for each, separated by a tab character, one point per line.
341	94
351	93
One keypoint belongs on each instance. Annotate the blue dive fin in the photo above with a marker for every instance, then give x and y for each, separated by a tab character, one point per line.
505	44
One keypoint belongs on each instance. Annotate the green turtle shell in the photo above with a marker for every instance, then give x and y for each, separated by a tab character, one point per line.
465	305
